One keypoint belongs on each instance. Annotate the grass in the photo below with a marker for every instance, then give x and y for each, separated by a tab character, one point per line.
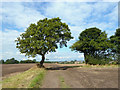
62	83
100	66
37	81
26	79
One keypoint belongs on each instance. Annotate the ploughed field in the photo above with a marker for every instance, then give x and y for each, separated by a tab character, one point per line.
14	68
71	75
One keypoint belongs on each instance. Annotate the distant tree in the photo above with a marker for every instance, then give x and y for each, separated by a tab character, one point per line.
115	40
92	42
47	59
2	61
34	60
75	60
28	61
21	61
11	61
41	38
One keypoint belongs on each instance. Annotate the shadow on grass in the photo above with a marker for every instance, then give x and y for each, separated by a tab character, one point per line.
61	68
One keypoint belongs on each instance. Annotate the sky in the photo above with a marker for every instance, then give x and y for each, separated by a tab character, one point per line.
15	17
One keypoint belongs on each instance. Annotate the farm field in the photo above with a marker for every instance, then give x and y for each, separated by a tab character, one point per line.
14	68
71	76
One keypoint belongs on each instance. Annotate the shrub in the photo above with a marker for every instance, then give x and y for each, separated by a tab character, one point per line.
97	60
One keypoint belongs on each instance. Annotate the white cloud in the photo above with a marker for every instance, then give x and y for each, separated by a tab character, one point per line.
84	15
8	46
73	13
113	15
62	55
79	16
19	15
60	0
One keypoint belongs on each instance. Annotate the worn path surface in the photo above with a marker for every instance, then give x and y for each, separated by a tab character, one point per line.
79	77
70	76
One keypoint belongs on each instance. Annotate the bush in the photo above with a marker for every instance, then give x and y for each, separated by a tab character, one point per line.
97	60
83	62
113	62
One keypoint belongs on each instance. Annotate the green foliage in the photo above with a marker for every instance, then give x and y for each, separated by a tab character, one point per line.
11	61
50	62
83	61
28	61
92	41
114	63
2	61
66	62
115	40
37	81
43	37
97	60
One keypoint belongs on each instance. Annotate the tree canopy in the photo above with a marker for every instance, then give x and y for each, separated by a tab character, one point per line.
115	40
92	41
43	37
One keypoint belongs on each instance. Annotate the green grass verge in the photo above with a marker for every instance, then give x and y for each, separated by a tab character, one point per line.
62	83
37	81
25	79
100	66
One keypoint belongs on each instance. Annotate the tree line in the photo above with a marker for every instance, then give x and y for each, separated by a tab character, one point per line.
46	35
14	61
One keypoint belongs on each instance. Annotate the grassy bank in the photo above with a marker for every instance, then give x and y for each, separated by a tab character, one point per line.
28	79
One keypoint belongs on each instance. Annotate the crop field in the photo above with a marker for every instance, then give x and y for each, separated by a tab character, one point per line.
60	76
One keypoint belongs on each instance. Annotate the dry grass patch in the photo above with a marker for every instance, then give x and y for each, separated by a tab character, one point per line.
22	80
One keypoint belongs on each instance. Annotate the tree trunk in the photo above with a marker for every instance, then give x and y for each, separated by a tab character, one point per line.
85	57
42	61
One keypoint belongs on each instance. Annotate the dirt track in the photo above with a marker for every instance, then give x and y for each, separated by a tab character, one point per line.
79	77
13	68
72	75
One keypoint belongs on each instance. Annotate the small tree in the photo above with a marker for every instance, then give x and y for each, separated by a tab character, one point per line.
92	42
43	37
2	61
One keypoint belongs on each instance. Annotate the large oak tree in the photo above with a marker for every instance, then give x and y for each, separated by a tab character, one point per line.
92	41
43	37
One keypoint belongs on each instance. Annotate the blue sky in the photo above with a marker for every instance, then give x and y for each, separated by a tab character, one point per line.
17	16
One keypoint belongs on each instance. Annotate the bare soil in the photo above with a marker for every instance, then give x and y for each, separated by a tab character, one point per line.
72	75
80	77
8	69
